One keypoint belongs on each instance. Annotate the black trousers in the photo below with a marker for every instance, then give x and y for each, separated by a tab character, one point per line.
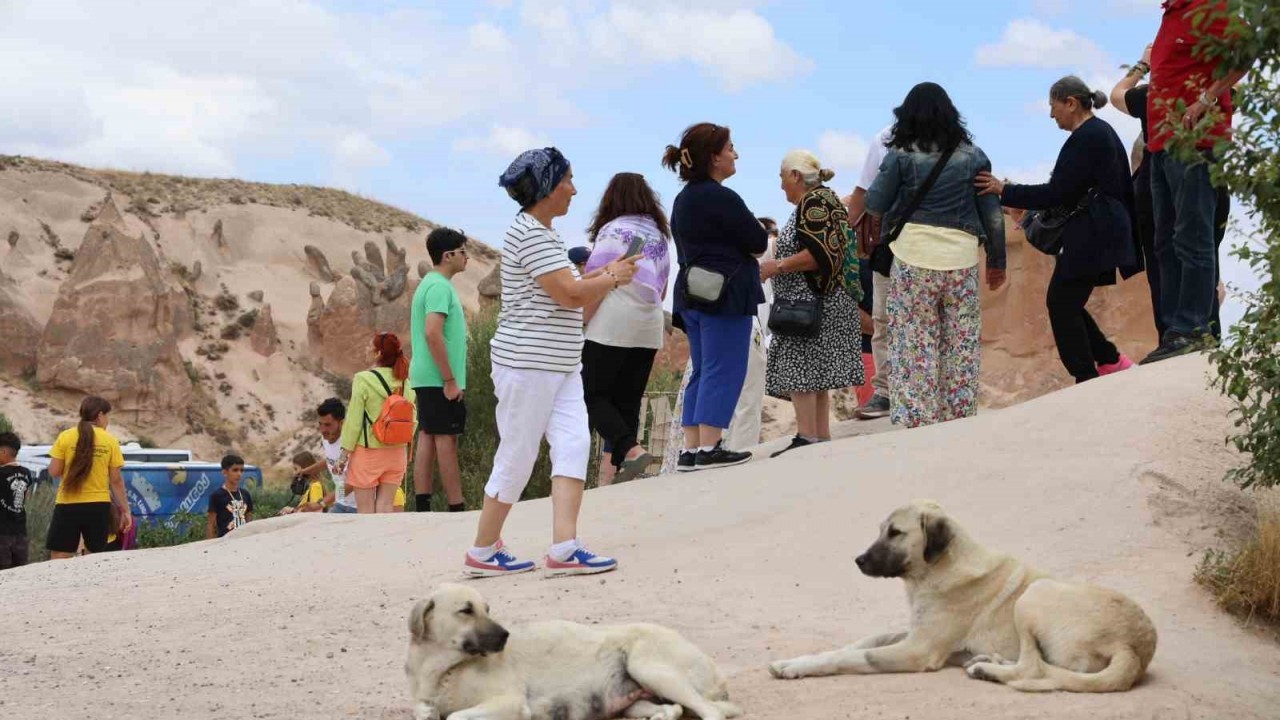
614	379
1082	346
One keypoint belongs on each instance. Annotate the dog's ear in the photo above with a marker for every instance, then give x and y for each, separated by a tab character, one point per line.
937	535
419	619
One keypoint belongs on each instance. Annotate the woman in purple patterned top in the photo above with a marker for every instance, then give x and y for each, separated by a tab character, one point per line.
625	330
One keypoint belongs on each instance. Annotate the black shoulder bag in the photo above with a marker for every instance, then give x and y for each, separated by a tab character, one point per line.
797	317
882	259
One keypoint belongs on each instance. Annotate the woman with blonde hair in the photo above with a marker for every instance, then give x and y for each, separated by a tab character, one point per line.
87	460
806	364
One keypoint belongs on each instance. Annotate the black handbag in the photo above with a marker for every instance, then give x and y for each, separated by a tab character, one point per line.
1045	229
797	317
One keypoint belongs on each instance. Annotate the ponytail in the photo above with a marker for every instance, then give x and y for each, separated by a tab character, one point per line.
82	461
391	355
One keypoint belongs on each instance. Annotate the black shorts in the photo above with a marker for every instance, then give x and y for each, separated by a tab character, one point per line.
13	551
72	521
438	415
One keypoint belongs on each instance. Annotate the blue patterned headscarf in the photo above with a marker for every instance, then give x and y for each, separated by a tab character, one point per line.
544	167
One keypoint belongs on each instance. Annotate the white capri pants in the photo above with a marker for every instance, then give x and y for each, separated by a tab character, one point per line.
531	404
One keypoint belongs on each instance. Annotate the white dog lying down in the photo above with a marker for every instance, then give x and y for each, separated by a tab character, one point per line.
464	666
968	600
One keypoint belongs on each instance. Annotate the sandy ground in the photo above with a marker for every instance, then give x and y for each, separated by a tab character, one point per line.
1116	482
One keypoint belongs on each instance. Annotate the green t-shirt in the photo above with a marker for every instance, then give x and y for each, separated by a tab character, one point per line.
435	294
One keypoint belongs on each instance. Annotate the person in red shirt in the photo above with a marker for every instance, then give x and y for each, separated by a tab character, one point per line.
1183	196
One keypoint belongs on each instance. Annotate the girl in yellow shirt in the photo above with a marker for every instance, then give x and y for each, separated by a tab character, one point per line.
86	460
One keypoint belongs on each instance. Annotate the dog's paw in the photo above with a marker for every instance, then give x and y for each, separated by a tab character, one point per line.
423	711
668	712
981	671
991	659
787	669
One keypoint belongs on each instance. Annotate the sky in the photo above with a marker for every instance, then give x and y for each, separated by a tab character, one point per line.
423	103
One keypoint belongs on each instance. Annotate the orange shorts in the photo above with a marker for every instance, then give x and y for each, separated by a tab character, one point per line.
371	467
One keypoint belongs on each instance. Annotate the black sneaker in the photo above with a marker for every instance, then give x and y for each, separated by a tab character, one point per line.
1173	347
687	461
876	407
796	442
719	457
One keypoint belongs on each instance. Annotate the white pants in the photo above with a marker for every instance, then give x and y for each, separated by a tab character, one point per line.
744	429
533	404
880	335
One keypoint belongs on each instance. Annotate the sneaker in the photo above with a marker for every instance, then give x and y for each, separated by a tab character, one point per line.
796	442
502	563
1172	347
876	407
687	461
719	457
1124	363
581	562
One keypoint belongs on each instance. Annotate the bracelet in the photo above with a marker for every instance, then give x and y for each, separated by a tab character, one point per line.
448	380
615	278
1141	67
1207	100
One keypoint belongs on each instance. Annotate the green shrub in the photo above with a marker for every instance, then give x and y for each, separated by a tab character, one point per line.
1247	367
5	425
39	514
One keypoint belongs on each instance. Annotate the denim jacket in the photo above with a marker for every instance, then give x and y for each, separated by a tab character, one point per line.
952	202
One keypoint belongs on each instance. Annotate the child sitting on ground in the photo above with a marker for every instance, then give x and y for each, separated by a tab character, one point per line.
230	506
15	483
311	499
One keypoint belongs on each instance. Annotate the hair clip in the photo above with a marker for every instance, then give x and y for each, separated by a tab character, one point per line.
685	158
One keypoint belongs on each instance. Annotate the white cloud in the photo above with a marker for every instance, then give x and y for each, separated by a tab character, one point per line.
502	141
254	78
843	151
1031	43
737	47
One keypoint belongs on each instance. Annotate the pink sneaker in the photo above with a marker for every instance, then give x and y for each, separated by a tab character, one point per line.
1124	363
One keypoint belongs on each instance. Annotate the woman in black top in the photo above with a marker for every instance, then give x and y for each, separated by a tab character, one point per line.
716	237
1099	241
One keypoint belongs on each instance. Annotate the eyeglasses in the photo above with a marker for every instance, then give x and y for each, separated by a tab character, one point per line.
459	251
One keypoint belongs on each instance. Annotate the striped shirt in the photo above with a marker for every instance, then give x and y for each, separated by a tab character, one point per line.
535	332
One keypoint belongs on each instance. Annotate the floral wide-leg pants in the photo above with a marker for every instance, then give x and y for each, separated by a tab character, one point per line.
935	327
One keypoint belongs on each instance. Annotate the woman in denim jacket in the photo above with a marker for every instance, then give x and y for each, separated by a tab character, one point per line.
935	316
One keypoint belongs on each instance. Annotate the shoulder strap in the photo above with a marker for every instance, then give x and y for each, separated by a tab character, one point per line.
381	381
918	198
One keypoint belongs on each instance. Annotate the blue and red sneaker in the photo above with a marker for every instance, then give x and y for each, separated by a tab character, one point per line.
581	562
502	563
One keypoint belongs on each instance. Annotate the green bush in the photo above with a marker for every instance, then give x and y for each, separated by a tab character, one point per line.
5	425
39	514
1248	367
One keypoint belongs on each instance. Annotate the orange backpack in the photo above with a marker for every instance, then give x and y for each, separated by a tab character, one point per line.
395	423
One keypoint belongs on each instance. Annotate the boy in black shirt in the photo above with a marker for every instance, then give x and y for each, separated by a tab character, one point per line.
15	481
229	507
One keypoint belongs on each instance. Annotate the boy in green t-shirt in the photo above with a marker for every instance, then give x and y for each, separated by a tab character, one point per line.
438	369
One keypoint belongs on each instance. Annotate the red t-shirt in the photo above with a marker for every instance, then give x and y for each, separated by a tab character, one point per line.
1178	72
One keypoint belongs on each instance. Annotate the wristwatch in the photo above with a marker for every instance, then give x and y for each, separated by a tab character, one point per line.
1206	99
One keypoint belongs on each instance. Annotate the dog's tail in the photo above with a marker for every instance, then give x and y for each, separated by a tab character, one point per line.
729	709
1120	674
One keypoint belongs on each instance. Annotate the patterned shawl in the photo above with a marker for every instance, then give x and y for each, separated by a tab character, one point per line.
822	228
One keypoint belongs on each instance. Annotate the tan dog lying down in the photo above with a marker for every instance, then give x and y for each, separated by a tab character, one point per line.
464	666
966	600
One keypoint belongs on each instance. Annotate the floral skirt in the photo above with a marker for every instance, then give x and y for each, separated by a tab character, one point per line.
935	330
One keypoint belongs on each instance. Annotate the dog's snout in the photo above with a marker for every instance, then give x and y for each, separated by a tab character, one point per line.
861	561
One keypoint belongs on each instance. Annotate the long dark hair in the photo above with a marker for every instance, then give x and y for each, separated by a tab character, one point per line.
82	461
698	145
628	194
928	121
391	355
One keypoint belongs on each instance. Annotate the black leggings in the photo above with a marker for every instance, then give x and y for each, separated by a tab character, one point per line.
1082	346
614	379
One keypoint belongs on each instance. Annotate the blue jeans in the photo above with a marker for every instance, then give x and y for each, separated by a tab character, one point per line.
718	347
1184	203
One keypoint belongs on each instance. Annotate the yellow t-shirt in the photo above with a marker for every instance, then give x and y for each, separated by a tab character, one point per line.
399	501
106	455
936	248
314	493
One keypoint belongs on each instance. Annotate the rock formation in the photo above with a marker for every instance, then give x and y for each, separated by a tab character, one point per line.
424	267
20	331
490	288
340	328
263	337
256	296
373	258
115	326
219	240
319	264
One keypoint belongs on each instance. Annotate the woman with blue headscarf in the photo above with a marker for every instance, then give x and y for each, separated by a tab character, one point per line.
536	354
